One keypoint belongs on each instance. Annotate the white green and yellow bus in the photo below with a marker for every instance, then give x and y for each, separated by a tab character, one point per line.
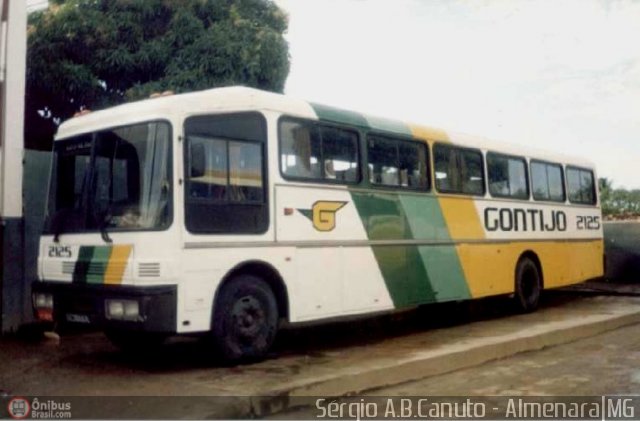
231	210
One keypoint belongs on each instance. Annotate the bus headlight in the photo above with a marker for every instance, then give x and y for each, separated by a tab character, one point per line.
122	310
43	305
41	300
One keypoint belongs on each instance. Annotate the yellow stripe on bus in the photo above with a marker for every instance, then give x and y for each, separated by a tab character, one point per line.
563	263
462	218
460	214
117	264
428	133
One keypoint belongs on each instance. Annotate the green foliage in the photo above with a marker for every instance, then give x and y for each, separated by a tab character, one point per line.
97	53
618	203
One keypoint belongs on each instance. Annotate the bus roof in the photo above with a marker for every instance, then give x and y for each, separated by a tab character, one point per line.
238	98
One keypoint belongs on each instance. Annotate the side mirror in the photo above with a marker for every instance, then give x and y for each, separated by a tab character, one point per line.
197	160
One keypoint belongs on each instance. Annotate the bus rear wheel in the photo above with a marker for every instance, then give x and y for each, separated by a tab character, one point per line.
245	319
527	286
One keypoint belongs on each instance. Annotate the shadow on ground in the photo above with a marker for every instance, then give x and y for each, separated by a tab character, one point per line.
92	352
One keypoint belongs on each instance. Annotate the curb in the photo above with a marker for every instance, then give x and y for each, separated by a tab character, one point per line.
430	363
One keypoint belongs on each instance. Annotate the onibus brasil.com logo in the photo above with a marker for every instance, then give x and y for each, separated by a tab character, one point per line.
20	408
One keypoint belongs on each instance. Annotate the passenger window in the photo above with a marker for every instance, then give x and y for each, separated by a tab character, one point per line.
398	163
507	176
316	152
339	155
547	181
383	161
458	170
225	177
245	172
300	150
208	179
581	186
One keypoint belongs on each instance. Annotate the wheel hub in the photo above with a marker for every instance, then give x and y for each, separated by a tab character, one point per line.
248	316
529	283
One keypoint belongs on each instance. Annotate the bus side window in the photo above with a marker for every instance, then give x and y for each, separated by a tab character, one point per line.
458	170
245	172
447	179
340	154
472	172
300	150
317	152
208	168
383	161
226	177
397	163
507	176
547	181
581	186
413	164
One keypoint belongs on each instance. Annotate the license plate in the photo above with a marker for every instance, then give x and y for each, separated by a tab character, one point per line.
78	318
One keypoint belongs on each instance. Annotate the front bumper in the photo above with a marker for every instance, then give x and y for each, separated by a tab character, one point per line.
85	304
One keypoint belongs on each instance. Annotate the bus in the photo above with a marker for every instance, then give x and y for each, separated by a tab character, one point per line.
232	211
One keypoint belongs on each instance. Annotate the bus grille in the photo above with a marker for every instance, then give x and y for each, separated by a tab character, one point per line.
149	270
68	267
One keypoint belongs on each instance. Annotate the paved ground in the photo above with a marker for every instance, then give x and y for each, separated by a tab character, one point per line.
607	364
88	365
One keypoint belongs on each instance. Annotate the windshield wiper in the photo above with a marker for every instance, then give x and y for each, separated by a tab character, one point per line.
104	233
103	226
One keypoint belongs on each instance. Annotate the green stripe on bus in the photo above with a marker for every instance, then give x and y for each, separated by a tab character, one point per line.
401	266
338	115
413	274
388	125
99	262
442	263
85	254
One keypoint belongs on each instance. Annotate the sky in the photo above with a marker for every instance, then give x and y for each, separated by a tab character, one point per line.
34	5
562	75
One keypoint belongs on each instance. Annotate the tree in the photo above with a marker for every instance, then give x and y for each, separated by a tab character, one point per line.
618	203
605	187
97	53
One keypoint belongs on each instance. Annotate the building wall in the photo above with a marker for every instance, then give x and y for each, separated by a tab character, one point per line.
13	49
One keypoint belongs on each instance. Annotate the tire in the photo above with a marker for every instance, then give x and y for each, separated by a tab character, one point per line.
245	319
135	342
528	285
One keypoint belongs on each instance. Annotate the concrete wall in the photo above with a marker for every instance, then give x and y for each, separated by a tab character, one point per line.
12	292
19	244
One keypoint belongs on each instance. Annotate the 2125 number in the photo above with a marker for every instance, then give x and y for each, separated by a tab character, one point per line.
588	222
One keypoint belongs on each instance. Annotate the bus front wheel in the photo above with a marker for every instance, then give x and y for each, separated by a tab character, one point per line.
528	285
245	319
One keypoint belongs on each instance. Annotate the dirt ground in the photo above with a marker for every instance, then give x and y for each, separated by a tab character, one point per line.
86	364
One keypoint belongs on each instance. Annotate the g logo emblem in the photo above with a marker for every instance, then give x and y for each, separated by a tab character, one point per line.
324	214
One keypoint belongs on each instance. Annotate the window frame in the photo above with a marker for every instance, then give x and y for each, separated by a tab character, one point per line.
320	124
226	200
408	141
170	176
562	178
593	185
186	159
526	175
460	148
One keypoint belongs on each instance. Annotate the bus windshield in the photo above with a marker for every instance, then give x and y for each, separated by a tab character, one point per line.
116	179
